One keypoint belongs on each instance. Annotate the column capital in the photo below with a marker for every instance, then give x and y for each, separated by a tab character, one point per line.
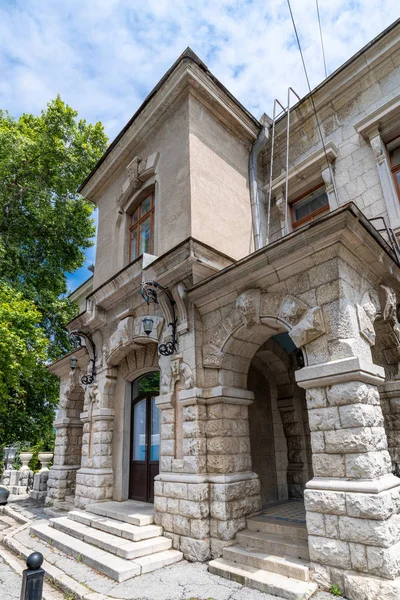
340	371
220	394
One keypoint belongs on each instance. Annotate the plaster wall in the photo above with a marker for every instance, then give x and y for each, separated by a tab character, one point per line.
172	195
220	201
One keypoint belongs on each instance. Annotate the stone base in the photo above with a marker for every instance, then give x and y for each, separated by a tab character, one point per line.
93	485
61	483
355	586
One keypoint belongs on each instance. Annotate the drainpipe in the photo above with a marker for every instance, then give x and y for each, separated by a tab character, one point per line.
253	171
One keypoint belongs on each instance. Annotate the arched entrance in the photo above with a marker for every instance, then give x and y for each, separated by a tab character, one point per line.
145	437
278	422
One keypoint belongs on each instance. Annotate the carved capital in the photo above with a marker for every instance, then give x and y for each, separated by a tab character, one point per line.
378	148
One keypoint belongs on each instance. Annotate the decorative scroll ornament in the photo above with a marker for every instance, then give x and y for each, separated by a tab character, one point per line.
149	293
77	337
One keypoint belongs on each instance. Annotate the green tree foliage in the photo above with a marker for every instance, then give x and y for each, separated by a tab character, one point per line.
45	228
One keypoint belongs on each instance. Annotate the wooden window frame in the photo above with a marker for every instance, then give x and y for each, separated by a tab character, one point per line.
136	226
394	171
311	216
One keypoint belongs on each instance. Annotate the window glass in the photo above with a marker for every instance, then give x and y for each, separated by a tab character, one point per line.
395	156
308	205
139	431
146	205
155	431
149	383
134	233
135	216
145	235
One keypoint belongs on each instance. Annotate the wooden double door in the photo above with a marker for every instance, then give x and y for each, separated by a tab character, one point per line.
145	441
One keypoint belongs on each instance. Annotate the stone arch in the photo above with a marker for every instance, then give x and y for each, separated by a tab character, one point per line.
289	417
255	318
139	361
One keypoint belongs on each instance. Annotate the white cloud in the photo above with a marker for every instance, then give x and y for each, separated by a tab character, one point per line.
104	56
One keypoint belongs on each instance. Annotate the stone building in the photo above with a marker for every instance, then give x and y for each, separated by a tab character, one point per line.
240	346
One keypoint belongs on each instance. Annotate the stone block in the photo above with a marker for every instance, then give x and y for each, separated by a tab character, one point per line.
361	415
384	562
332	526
328	465
352	392
315	523
195	550
194	510
317	442
200	528
181	525
327	502
327	551
358	555
373	506
368	465
225	492
362	587
370	532
198	492
321	575
355	440
175	490
324	419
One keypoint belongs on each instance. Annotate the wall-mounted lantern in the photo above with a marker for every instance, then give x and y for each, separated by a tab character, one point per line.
76	338
148	291
148	325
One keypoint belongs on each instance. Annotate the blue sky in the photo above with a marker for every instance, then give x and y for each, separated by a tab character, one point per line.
104	56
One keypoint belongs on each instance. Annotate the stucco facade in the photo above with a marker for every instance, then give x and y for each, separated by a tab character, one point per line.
285	382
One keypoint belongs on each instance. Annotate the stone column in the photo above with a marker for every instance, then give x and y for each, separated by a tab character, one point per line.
181	489
234	488
67	460
202	498
94	480
353	501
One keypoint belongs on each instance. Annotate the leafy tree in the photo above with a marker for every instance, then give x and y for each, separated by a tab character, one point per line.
45	228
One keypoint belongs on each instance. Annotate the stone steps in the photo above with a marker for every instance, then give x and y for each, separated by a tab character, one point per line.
283	565
135	513
264	581
275	544
116	545
276	527
118	528
117	568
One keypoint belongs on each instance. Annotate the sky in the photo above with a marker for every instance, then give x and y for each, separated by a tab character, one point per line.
104	56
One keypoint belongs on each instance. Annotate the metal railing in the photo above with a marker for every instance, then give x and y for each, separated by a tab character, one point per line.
388	235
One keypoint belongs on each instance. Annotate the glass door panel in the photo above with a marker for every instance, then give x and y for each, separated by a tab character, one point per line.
139	430
154	431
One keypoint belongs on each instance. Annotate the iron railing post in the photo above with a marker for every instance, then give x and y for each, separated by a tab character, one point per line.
32	578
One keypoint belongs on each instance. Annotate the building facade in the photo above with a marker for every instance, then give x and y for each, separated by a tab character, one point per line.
240	335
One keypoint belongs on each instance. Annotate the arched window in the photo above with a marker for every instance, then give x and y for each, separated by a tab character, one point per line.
141	230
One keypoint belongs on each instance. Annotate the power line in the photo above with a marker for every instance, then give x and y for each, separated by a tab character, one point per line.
313	103
322	40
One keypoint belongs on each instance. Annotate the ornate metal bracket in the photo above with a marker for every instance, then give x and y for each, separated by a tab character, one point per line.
76	338
149	294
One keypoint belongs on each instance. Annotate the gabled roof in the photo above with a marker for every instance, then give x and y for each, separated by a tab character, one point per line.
187	55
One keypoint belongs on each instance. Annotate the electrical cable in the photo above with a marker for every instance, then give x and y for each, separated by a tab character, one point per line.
322	39
313	103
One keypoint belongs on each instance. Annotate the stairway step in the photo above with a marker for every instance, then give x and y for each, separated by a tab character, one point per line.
119	528
159	560
135	513
111	543
283	565
276	527
275	544
115	567
264	581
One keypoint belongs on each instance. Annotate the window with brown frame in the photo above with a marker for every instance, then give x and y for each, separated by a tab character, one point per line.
141	230
309	206
395	167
